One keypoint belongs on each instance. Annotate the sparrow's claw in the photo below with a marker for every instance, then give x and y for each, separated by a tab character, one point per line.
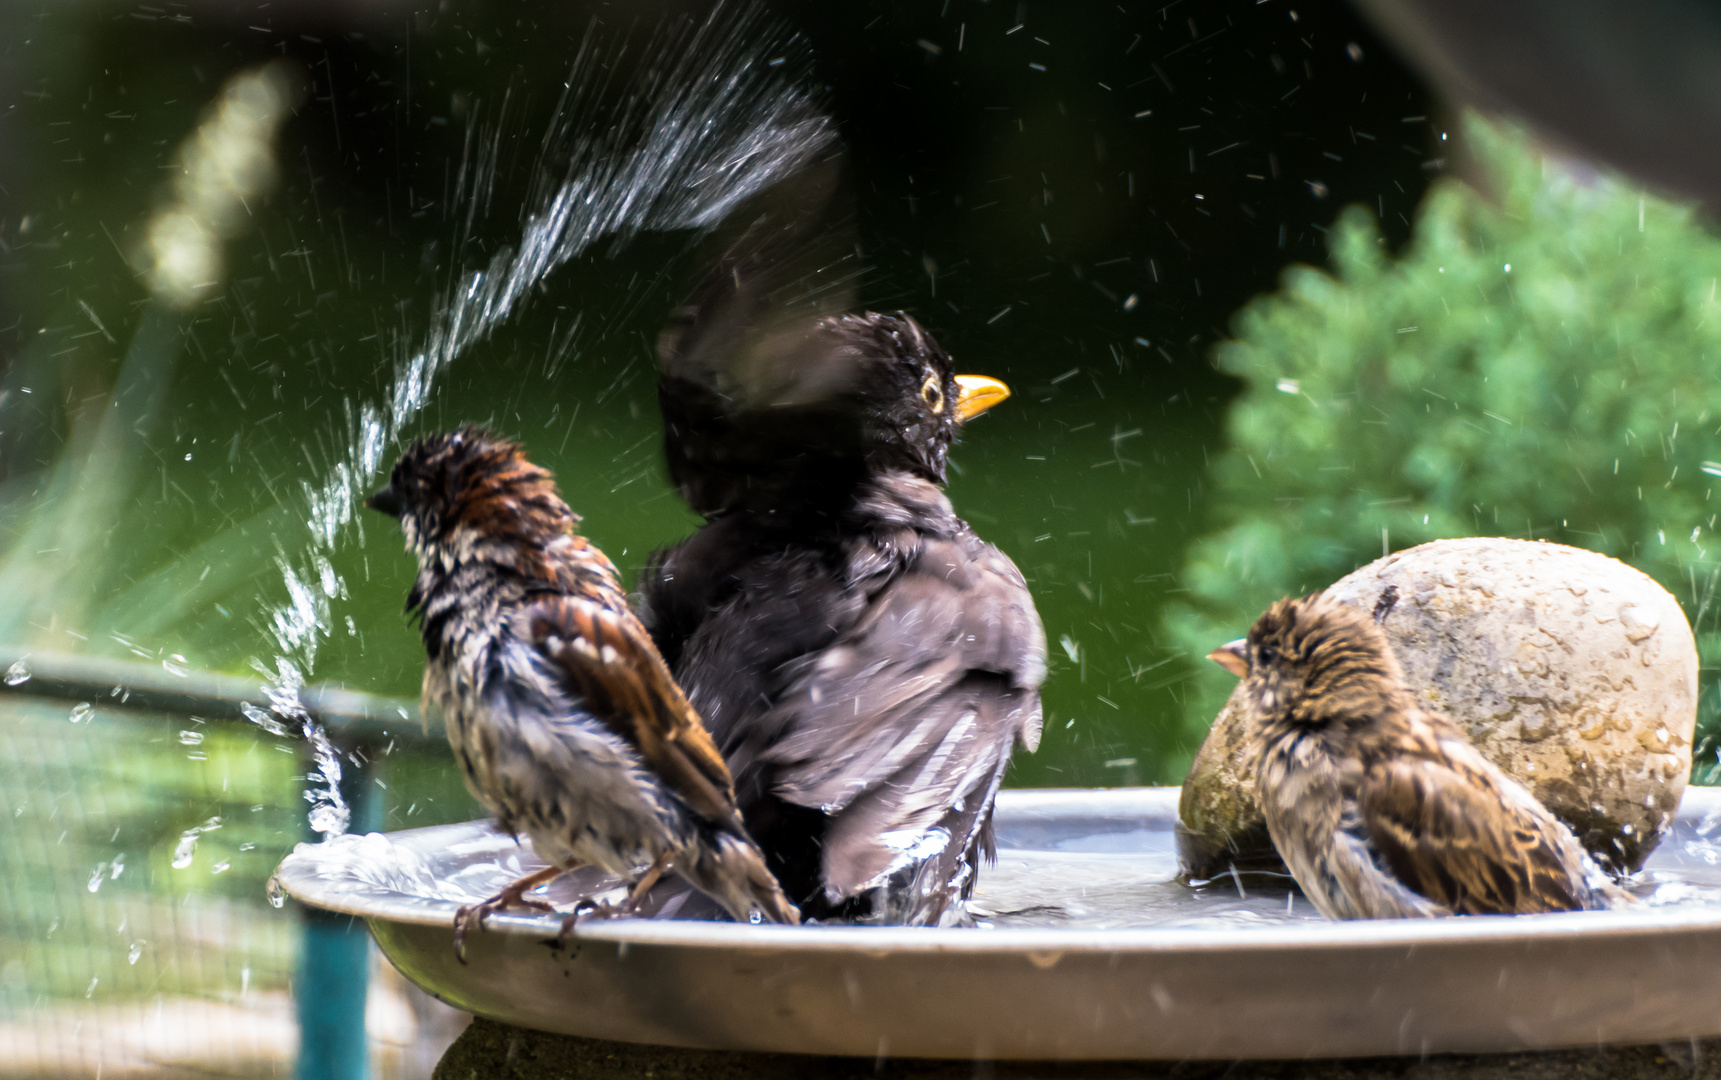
589	909
514	895
463	920
644	884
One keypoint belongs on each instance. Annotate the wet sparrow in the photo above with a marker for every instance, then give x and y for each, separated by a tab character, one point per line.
1380	808
564	720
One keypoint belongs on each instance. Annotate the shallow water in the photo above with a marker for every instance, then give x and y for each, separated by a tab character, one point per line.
1081	872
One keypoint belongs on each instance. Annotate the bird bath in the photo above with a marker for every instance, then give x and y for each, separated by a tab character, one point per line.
1088	948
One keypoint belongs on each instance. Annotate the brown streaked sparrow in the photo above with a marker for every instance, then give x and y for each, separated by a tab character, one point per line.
562	715
1380	808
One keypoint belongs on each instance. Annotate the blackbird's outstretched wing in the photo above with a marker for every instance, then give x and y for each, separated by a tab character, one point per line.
900	729
1448	829
785	260
749	374
610	664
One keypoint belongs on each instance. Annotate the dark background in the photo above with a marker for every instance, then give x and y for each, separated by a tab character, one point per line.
1073	197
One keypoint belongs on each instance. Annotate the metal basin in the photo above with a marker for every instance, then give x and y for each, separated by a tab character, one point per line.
1088	948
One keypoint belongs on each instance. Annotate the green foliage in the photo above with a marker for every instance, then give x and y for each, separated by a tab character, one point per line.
1544	363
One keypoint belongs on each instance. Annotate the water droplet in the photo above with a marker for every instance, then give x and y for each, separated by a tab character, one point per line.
221	867
185	850
18	673
177	665
276	896
191	738
262	719
117	867
90	992
99	875
755	917
81	712
134	952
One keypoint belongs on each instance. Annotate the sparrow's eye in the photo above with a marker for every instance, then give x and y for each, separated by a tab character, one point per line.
932	392
1266	655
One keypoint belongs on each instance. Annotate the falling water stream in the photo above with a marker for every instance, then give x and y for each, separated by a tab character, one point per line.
716	112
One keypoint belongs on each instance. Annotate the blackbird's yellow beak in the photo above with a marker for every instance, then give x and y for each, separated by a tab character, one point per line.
979	393
1232	657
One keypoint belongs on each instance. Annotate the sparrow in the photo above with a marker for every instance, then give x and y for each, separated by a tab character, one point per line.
563	717
865	662
1383	809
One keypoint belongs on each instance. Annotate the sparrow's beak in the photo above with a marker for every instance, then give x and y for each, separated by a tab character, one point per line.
1232	657
979	393
385	501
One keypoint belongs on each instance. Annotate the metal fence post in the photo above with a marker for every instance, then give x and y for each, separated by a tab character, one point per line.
329	988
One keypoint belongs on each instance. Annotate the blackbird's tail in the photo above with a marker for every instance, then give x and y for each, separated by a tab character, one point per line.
731	870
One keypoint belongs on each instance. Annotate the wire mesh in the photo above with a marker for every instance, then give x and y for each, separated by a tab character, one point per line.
139	939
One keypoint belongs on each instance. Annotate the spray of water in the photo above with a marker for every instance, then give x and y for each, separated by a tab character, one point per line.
718	111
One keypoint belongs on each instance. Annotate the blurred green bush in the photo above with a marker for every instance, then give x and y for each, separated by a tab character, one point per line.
1541	361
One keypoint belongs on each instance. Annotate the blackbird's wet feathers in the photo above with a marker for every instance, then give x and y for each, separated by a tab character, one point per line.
1380	808
564	719
864	660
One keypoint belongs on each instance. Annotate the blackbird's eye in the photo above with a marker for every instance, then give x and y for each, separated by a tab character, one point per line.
932	392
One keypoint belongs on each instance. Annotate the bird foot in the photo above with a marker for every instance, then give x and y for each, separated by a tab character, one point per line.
473	916
629	904
590	909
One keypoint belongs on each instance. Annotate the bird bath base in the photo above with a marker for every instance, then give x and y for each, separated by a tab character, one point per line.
1087	948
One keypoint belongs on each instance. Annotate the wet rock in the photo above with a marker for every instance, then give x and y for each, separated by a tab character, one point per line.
1573	672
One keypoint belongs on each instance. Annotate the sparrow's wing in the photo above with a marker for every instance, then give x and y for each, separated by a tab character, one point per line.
609	662
902	726
1451	828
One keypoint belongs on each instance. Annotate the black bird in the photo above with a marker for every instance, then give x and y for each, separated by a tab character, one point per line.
564	719
863	659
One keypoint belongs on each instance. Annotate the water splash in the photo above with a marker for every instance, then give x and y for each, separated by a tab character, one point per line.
717	111
186	849
106	871
262	719
329	813
18	673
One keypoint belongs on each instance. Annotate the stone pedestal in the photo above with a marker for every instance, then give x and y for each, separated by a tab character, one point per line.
492	1051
